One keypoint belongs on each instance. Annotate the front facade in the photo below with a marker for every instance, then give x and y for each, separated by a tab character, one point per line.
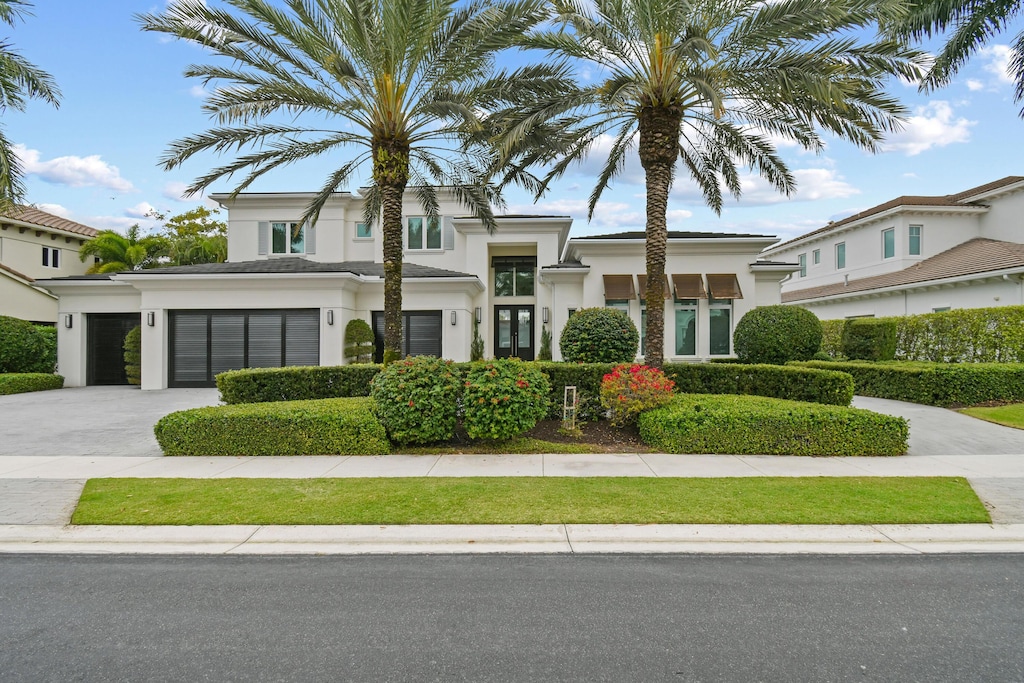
288	290
914	254
36	245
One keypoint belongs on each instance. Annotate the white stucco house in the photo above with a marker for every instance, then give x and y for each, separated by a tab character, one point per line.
35	245
288	290
913	254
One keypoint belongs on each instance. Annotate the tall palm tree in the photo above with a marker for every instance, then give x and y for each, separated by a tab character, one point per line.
973	24
403	82
117	252
709	83
19	80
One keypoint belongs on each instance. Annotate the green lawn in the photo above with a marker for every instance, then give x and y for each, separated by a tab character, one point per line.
532	500
1011	415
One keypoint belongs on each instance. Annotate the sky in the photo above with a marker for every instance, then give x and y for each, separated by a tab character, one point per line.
95	160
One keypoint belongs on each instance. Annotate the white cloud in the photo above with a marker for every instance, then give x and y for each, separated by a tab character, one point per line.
139	210
974	85
74	171
933	125
812	184
55	209
175	191
998	63
118	223
198	91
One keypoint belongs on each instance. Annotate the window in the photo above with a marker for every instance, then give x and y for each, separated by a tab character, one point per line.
686	327
802	260
816	256
889	243
288	238
840	255
914	240
618	304
721	326
643	329
420	238
940	309
51	257
363	231
513	276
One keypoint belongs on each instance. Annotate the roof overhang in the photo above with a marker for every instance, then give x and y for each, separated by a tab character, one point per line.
44	228
1016	273
576	248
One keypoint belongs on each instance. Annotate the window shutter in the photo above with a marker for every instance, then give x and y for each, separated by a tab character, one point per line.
449	234
310	239
263	241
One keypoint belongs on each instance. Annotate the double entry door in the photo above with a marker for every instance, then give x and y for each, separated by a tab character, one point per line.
513	332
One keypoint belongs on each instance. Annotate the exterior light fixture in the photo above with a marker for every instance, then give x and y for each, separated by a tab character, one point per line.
68	321
455	317
330	317
151	318
545	314
479	313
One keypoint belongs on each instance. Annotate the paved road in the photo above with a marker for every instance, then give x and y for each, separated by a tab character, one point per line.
526	618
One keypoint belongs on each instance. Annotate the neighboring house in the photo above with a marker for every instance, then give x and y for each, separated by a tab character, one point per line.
914	255
288	289
35	245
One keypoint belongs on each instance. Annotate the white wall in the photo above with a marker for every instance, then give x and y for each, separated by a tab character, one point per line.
22	250
91	297
978	294
20	300
1005	219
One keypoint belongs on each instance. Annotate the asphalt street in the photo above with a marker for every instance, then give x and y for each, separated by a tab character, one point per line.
502	618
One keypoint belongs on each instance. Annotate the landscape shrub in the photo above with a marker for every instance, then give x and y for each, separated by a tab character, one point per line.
133	355
260	385
756	425
23	382
832	338
358	341
869	339
503	399
974	335
586	377
339	426
544	352
827	385
629	390
24	348
777	334
935	384
416	399
599	335
49	336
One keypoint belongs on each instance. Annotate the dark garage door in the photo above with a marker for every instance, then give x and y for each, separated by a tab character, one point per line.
206	343
105	334
421	334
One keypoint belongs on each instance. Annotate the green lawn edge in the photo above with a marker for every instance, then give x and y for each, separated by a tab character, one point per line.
531	500
1008	416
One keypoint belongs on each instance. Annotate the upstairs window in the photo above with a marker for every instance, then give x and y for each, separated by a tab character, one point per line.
802	260
423	233
363	231
288	238
889	243
513	276
816	256
914	240
51	257
840	255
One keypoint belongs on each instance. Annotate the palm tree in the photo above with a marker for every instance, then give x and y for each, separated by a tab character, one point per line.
973	23
117	252
708	83
19	80
404	82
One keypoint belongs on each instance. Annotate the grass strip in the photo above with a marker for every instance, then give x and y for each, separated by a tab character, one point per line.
1010	416
532	500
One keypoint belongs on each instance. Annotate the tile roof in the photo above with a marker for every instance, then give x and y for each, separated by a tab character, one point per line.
672	235
299	265
15	273
30	214
973	257
947	200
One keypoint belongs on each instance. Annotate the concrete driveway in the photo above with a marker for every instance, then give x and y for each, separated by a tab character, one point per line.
91	421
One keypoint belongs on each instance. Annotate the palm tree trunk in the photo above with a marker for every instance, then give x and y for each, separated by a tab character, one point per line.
659	149
391	172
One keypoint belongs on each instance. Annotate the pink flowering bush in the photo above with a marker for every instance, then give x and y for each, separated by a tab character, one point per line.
628	390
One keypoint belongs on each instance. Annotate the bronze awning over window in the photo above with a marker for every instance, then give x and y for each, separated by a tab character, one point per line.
689	286
618	287
642	281
724	286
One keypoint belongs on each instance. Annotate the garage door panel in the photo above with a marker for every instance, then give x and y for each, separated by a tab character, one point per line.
302	331
265	340
190	354
227	343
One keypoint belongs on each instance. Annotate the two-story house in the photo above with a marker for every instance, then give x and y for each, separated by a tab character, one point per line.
36	245
288	289
913	254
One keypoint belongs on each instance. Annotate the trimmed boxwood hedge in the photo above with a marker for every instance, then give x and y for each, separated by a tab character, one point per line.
339	426
259	385
934	384
775	381
756	425
23	382
868	339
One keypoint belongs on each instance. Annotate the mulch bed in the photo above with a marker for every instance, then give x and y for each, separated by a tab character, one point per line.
603	437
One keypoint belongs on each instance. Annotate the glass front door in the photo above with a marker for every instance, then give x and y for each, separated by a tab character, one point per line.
513	332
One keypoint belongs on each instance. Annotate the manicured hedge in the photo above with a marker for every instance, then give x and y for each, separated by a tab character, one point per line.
832	337
586	377
258	385
26	348
23	382
756	425
869	339
340	426
777	334
934	384
775	381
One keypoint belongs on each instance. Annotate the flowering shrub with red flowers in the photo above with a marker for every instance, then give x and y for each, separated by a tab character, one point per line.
628	390
503	398
417	399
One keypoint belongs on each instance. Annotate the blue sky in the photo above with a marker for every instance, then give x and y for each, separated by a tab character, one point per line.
94	159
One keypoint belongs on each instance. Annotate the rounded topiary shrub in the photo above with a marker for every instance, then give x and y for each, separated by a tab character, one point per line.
599	335
358	341
416	399
133	355
777	334
503	399
23	348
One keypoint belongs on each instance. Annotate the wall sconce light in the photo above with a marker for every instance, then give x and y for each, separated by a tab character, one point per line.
545	314
151	318
479	314
455	317
330	317
68	320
